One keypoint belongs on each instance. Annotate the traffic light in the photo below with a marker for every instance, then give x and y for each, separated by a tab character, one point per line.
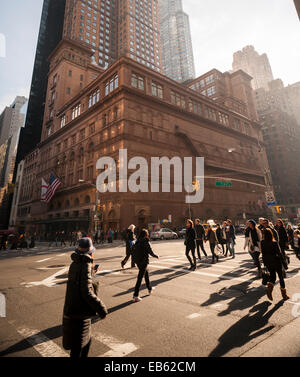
279	209
98	208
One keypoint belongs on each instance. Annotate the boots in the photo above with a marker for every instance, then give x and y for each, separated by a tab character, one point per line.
284	295
270	287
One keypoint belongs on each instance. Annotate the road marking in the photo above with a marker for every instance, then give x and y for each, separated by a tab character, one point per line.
223	277
117	349
44	346
43	260
221	265
51	281
195	315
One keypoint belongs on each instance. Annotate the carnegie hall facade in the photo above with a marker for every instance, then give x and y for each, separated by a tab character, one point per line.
91	113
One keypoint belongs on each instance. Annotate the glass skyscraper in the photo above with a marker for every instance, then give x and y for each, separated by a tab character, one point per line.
176	42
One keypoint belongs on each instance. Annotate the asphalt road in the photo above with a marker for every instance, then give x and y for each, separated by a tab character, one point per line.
218	310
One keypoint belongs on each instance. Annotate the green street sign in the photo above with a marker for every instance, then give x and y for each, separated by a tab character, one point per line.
224	184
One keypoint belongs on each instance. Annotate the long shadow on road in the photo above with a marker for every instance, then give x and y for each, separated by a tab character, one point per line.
246	329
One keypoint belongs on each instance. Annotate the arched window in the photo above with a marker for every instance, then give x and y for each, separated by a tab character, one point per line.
87	200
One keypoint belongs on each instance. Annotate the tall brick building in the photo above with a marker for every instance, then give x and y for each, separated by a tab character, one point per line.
130	106
258	66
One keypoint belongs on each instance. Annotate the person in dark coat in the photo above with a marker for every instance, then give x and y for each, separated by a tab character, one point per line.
282	234
142	250
220	238
267	225
190	244
212	239
130	238
81	302
273	262
290	233
200	237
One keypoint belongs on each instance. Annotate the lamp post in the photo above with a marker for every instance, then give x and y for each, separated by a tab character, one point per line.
97	201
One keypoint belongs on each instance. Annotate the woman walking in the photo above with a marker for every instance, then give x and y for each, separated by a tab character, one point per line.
212	239
253	241
142	250
272	258
129	239
282	234
190	244
81	302
290	233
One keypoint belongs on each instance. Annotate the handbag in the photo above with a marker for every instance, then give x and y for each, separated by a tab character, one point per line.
265	276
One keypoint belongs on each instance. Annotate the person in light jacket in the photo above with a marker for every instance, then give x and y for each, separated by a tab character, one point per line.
253	241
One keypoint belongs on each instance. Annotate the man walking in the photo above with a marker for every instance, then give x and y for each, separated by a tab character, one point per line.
200	236
230	238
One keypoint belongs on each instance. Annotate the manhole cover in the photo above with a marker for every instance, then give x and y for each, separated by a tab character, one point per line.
57	266
230	293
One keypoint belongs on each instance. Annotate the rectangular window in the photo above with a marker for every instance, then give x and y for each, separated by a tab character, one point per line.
210	113
112	84
94	98
177	99
137	81
224	119
76	111
157	90
62	121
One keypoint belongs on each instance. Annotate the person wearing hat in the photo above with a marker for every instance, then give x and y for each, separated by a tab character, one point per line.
254	243
81	301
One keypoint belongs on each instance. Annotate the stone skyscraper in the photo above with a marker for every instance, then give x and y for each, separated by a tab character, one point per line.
176	42
255	65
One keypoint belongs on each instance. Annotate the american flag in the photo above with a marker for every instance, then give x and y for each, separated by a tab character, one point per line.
53	186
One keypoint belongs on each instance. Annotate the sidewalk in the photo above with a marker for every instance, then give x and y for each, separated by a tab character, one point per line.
283	343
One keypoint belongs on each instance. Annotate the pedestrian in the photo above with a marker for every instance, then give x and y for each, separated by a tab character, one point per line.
260	222
213	241
78	236
96	238
254	243
32	241
81	301
220	238
282	234
230	238
142	250
200	236
62	238
268	225
102	237
190	245
130	239
3	242
273	262
296	242
290	234
110	236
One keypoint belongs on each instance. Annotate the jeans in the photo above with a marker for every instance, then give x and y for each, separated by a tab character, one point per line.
77	353
143	272
230	247
279	272
199	244
212	249
187	253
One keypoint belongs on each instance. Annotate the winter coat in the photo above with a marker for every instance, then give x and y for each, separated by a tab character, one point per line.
200	232
81	303
250	242
282	234
271	254
211	236
141	251
190	236
220	235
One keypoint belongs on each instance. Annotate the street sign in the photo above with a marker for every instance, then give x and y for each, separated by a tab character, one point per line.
224	184
270	197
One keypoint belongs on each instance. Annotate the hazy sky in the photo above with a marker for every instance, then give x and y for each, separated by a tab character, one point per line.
219	28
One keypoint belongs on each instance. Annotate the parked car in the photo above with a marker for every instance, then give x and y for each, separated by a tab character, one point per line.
163	234
181	233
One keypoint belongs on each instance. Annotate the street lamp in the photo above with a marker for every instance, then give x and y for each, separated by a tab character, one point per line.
97	200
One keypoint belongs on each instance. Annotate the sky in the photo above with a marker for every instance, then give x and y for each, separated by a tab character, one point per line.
218	27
